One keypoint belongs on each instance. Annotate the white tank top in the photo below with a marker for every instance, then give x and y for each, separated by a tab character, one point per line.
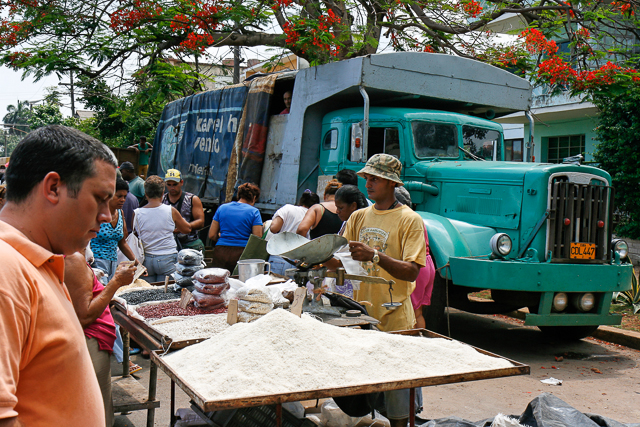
155	229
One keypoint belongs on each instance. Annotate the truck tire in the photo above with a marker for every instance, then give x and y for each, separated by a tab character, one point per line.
434	314
568	333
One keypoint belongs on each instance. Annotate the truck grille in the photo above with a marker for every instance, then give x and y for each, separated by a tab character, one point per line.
584	206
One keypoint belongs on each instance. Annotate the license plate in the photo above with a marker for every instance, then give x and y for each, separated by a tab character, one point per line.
583	251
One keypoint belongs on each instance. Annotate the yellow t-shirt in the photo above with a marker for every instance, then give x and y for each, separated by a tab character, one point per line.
398	233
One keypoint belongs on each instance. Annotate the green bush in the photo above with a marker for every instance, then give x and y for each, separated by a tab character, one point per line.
619	153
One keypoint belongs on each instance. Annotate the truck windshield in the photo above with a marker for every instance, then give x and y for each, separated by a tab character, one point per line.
435	139
483	143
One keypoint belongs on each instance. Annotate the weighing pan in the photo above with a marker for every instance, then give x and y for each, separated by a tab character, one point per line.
303	253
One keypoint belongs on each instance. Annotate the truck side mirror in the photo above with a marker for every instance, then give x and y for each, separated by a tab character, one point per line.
358	153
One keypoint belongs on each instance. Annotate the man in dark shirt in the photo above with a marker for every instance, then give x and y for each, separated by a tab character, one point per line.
189	206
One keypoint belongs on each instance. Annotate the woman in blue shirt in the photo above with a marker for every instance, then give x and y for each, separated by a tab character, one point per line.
112	235
232	225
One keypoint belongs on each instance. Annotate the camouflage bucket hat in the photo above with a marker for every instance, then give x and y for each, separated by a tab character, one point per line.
384	166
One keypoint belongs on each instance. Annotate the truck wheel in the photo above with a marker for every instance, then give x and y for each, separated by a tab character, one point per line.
434	314
568	333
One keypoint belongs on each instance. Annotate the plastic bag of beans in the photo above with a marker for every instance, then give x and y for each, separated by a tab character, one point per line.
206	300
212	275
254	295
182	281
210	288
247	317
254	307
188	270
190	257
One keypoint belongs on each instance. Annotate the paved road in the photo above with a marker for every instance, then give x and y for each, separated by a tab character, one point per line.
597	377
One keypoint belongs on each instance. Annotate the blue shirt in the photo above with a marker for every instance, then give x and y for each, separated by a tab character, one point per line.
236	222
105	244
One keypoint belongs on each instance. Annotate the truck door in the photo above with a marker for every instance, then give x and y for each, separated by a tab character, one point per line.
383	138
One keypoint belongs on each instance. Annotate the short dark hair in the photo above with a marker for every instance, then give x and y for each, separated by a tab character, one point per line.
308	199
143	138
127	166
351	194
249	191
347	177
403	195
154	187
121	184
54	148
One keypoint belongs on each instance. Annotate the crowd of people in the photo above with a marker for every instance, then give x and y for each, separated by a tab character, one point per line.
68	207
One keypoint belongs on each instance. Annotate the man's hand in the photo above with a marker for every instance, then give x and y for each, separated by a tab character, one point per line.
360	251
124	275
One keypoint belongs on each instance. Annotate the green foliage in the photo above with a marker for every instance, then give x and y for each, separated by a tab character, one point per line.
17	115
99	38
631	297
121	120
619	152
11	142
44	115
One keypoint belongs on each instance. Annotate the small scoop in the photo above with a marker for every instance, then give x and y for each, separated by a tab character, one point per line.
391	305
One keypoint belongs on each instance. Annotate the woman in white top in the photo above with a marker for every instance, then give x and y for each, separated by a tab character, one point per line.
288	218
154	224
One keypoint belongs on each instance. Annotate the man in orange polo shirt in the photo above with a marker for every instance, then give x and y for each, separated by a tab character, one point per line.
59	184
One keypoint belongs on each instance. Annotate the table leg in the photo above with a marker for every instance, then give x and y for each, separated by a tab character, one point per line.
125	351
173	403
279	414
153	380
412	407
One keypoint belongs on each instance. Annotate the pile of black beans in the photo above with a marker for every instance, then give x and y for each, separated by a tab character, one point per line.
145	295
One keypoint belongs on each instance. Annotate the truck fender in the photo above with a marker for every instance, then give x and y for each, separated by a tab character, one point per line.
450	238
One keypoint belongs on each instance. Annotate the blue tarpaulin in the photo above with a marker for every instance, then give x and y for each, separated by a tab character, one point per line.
196	135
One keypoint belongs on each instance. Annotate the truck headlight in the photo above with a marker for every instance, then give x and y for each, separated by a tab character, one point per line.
621	247
583	302
500	245
560	301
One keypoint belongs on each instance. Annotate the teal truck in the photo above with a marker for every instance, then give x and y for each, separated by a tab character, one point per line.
535	235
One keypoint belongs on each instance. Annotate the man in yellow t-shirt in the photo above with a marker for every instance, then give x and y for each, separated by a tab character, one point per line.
388	238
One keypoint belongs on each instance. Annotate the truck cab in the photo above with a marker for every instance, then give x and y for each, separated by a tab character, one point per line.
536	235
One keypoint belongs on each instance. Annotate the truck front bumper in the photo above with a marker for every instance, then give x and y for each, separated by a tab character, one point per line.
548	279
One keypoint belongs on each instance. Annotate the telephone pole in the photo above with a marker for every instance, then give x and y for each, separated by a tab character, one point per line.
71	91
236	65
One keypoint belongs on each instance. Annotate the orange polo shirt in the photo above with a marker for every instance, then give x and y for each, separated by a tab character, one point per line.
46	374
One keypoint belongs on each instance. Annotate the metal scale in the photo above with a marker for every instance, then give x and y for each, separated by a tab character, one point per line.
305	255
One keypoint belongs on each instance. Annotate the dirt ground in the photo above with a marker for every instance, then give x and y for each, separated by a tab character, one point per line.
598	377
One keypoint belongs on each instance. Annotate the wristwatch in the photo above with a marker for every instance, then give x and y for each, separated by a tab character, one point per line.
376	257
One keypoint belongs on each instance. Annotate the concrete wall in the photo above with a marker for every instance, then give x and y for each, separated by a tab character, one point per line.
581	126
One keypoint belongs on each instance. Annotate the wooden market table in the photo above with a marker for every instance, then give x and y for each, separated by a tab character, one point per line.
129	394
202	406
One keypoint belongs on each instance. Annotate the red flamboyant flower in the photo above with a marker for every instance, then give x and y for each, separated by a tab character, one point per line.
536	42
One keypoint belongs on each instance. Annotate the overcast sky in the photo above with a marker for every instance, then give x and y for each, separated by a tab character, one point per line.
14	89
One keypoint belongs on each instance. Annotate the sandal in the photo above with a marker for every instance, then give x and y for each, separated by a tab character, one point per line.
133	351
133	368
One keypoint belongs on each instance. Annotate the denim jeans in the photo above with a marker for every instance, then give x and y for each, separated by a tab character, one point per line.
159	266
279	265
397	403
109	267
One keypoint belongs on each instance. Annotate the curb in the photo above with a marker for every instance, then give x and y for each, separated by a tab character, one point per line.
610	334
